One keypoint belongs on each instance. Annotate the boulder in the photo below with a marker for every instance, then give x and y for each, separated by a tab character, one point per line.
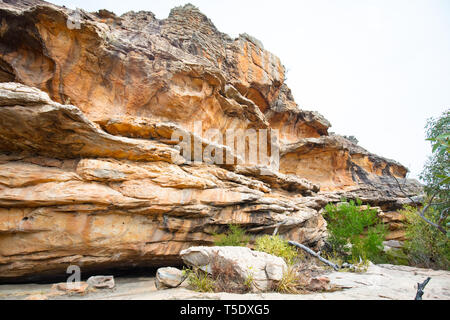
168	278
262	269
101	282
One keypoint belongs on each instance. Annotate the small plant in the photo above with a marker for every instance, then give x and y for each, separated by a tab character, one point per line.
289	282
199	280
235	237
426	246
335	258
360	266
249	281
355	231
278	247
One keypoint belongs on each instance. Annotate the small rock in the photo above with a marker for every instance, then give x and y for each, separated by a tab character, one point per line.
72	287
319	284
168	278
101	282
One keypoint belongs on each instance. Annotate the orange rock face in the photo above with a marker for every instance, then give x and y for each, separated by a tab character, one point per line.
90	173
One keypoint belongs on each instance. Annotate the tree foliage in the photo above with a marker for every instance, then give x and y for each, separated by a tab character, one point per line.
436	172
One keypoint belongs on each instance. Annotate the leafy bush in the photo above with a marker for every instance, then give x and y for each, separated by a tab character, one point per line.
397	256
278	247
426	246
235	237
355	231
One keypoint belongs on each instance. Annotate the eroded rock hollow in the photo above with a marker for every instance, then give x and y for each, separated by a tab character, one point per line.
90	174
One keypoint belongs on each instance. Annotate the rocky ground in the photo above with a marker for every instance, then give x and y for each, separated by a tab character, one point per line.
381	282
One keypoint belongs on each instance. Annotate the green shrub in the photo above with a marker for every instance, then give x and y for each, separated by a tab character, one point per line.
426	246
355	231
199	280
235	237
278	247
397	256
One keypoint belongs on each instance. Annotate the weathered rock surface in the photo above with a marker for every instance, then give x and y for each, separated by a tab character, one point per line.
62	205
80	287
168	277
380	282
319	284
262	268
89	173
101	282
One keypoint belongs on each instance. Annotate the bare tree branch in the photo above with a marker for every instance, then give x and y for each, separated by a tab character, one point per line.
315	254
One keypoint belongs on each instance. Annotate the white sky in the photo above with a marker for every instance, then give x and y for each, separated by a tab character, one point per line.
376	69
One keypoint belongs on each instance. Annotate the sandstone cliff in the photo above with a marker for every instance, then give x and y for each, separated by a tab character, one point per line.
89	174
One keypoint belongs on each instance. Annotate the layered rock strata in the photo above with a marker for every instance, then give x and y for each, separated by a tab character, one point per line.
90	174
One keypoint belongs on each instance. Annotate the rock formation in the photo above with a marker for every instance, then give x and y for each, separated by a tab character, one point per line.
90	174
261	270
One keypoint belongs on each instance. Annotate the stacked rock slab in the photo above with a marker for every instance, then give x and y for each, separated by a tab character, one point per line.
89	175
